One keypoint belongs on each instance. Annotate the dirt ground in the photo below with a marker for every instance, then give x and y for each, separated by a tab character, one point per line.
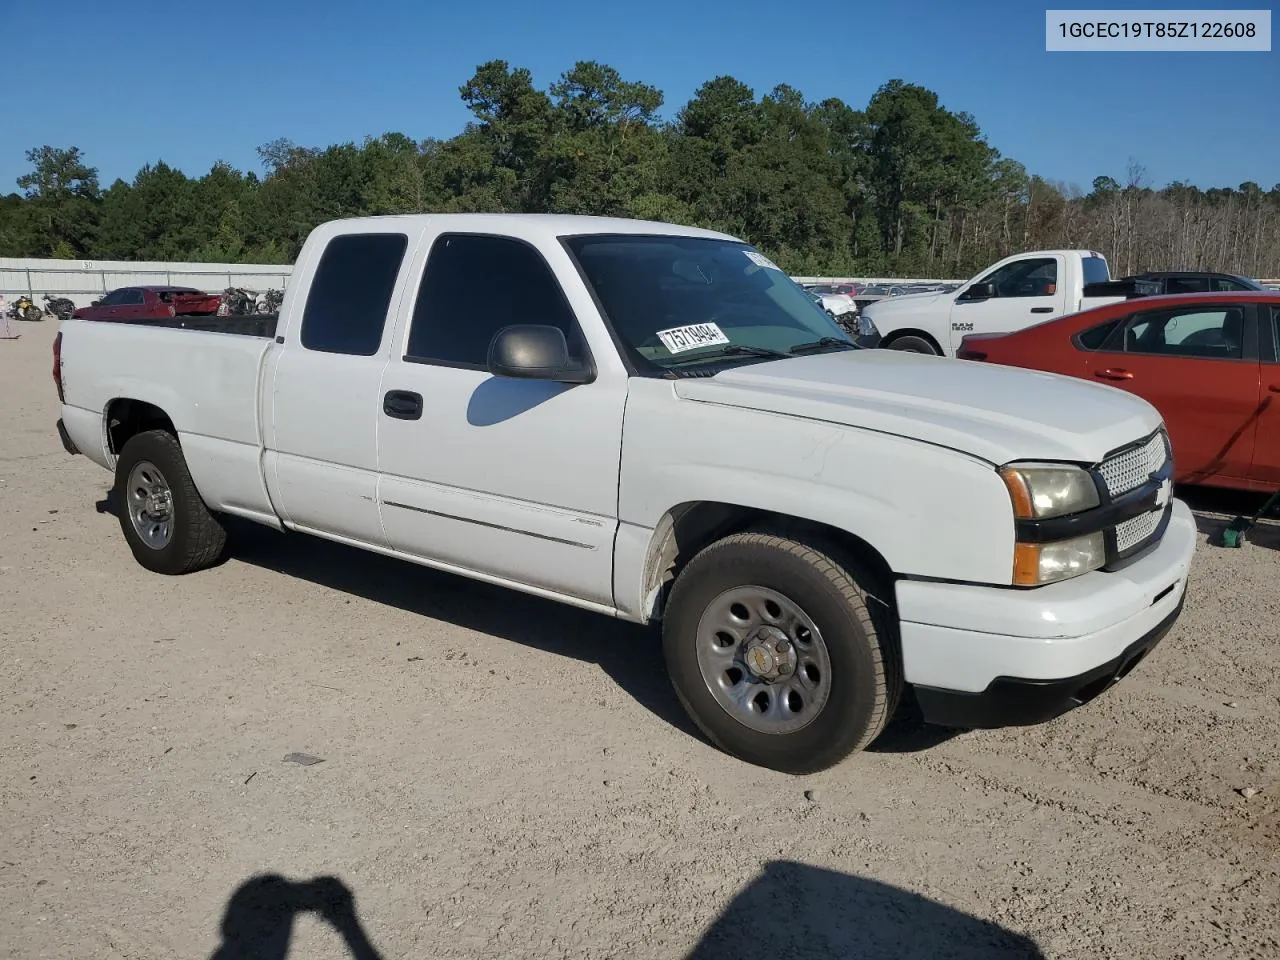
505	777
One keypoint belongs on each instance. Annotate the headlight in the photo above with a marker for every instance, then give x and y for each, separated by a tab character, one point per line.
1043	490
1035	564
865	327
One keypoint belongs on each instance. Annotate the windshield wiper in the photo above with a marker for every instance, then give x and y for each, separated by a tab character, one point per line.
820	344
734	350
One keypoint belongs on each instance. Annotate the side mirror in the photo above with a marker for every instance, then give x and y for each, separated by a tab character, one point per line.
979	291
535	352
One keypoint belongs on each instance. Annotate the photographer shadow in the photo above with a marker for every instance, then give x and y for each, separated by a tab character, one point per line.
258	923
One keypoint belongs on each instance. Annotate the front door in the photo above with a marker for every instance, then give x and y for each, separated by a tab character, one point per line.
515	479
1027	292
1198	365
322	409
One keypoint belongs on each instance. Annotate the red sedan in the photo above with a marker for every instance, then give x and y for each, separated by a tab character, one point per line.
150	303
1209	362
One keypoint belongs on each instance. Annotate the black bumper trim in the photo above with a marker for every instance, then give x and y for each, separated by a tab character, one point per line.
67	443
1017	702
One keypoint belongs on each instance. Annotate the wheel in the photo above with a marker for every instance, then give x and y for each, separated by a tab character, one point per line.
775	653
167	525
911	344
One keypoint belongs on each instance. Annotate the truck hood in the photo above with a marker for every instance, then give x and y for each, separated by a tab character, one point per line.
996	413
907	303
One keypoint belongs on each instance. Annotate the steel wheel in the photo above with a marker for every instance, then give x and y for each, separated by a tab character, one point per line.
763	659
150	505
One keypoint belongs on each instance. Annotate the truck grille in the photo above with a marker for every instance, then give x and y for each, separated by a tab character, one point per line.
1130	533
1129	470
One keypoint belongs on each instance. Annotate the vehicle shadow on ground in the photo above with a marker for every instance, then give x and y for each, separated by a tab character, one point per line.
907	732
794	910
630	654
258	922
1215	508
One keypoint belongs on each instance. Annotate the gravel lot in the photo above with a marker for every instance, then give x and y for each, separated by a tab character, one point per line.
504	777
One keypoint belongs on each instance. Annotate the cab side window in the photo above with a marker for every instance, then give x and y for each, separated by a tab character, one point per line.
1026	278
350	293
472	287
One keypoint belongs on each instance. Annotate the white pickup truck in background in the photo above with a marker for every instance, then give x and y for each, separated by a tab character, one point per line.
1016	292
655	423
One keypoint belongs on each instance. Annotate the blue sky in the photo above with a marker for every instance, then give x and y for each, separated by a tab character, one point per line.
131	82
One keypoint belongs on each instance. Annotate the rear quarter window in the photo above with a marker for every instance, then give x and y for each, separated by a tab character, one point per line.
351	292
1095	270
1095	337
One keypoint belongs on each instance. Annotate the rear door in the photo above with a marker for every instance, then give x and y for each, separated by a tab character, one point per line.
1198	365
516	479
1027	292
323	405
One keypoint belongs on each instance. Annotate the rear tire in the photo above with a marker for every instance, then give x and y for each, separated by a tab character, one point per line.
910	344
164	520
842	682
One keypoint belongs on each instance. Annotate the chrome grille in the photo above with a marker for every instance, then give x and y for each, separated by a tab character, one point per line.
1133	531
1131	469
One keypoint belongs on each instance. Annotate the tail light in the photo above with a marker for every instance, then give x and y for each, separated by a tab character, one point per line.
57	366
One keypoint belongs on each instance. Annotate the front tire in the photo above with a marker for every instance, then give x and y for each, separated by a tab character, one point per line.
164	520
911	344
773	649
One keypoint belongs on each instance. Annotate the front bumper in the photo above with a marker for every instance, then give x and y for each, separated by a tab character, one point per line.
990	657
67	443
1018	702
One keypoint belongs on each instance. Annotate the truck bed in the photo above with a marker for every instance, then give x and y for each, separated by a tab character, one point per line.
256	325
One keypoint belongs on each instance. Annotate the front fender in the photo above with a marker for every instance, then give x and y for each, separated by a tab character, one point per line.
928	510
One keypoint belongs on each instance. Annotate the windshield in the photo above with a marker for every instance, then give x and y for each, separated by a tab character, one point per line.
678	300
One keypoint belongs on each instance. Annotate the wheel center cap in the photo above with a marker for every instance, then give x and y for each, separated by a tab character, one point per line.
770	655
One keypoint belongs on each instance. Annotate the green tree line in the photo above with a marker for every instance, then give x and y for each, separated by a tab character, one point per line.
902	187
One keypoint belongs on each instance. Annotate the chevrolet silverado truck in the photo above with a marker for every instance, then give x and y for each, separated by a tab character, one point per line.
655	423
1016	292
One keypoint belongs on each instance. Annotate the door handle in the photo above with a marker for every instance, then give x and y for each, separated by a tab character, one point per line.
1113	374
1274	387
402	404
1042	309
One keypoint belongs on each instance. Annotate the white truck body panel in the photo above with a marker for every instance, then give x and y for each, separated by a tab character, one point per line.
569	491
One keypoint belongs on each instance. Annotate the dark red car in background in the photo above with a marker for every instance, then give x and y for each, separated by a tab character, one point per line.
1209	362
150	303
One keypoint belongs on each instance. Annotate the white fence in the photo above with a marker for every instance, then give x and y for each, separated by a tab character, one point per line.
84	281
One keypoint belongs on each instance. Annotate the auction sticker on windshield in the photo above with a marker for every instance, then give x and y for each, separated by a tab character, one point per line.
760	260
680	339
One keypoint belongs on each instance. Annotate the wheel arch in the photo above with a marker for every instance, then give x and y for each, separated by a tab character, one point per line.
126	417
688	527
912	332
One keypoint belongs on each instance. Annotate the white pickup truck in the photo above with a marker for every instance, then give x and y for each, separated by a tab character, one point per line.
1016	292
655	423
